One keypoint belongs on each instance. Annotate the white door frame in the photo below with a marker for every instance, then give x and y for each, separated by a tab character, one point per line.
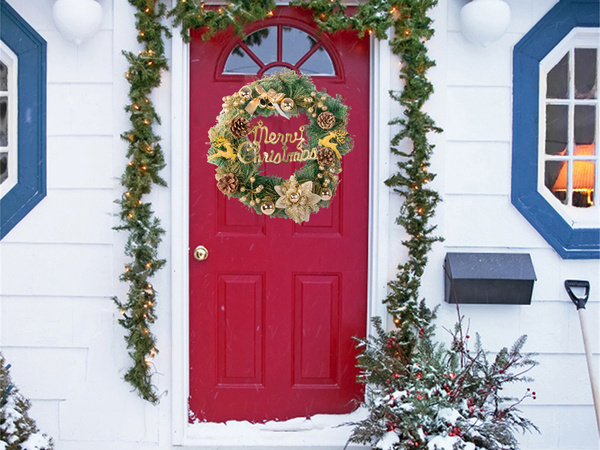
383	69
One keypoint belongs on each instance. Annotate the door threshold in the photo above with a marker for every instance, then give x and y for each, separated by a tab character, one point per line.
275	446
319	432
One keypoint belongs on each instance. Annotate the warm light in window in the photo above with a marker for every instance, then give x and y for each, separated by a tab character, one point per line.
583	179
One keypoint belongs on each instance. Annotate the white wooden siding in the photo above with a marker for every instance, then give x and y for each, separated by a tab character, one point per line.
60	265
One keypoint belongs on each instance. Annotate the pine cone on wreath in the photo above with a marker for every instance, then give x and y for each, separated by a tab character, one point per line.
325	156
239	127
326	120
228	183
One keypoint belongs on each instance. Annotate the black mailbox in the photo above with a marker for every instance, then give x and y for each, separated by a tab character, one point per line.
489	278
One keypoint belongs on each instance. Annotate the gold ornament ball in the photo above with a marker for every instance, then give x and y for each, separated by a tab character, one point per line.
287	104
246	92
326	194
294	197
267	208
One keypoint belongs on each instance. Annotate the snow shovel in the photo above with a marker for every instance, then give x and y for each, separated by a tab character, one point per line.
580	302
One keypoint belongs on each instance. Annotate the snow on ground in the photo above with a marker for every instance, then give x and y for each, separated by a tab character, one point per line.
320	429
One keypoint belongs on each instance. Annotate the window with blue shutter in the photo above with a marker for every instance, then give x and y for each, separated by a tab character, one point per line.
22	118
555	169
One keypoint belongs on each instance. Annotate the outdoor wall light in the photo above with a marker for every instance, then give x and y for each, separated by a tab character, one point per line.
77	20
484	21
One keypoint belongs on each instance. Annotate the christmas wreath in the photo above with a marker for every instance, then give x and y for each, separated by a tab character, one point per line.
235	146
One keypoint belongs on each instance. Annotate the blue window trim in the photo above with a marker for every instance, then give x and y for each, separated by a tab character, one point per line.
30	49
569	242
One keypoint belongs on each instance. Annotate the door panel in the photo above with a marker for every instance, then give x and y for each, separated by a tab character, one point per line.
275	307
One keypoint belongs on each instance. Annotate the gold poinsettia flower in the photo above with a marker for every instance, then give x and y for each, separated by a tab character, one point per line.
297	199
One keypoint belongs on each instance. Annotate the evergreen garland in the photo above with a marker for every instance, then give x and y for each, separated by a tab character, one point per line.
413	380
412	28
236	14
146	159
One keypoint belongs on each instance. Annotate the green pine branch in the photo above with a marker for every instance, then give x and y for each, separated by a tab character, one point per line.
236	14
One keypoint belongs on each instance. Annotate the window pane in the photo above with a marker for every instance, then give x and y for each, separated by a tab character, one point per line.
556	129
3	77
556	179
557	81
3	166
586	72
3	121
239	62
585	124
318	64
296	44
583	183
263	43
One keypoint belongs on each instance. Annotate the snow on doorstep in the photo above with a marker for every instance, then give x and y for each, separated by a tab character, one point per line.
320	429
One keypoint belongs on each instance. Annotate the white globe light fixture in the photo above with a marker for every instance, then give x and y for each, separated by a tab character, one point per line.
484	21
77	20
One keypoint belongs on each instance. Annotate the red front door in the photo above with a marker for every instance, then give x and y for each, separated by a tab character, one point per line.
275	306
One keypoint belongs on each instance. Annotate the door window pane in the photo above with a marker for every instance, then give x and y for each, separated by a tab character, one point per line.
263	43
557	81
274	69
319	63
295	44
239	62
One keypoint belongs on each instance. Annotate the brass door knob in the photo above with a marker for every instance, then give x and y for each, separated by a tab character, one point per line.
201	253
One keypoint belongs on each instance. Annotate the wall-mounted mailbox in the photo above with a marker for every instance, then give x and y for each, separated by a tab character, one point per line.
489	278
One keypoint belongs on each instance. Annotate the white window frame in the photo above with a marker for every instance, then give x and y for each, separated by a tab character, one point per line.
579	37
11	61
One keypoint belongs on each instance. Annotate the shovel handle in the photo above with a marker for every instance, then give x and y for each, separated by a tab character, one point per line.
579	301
